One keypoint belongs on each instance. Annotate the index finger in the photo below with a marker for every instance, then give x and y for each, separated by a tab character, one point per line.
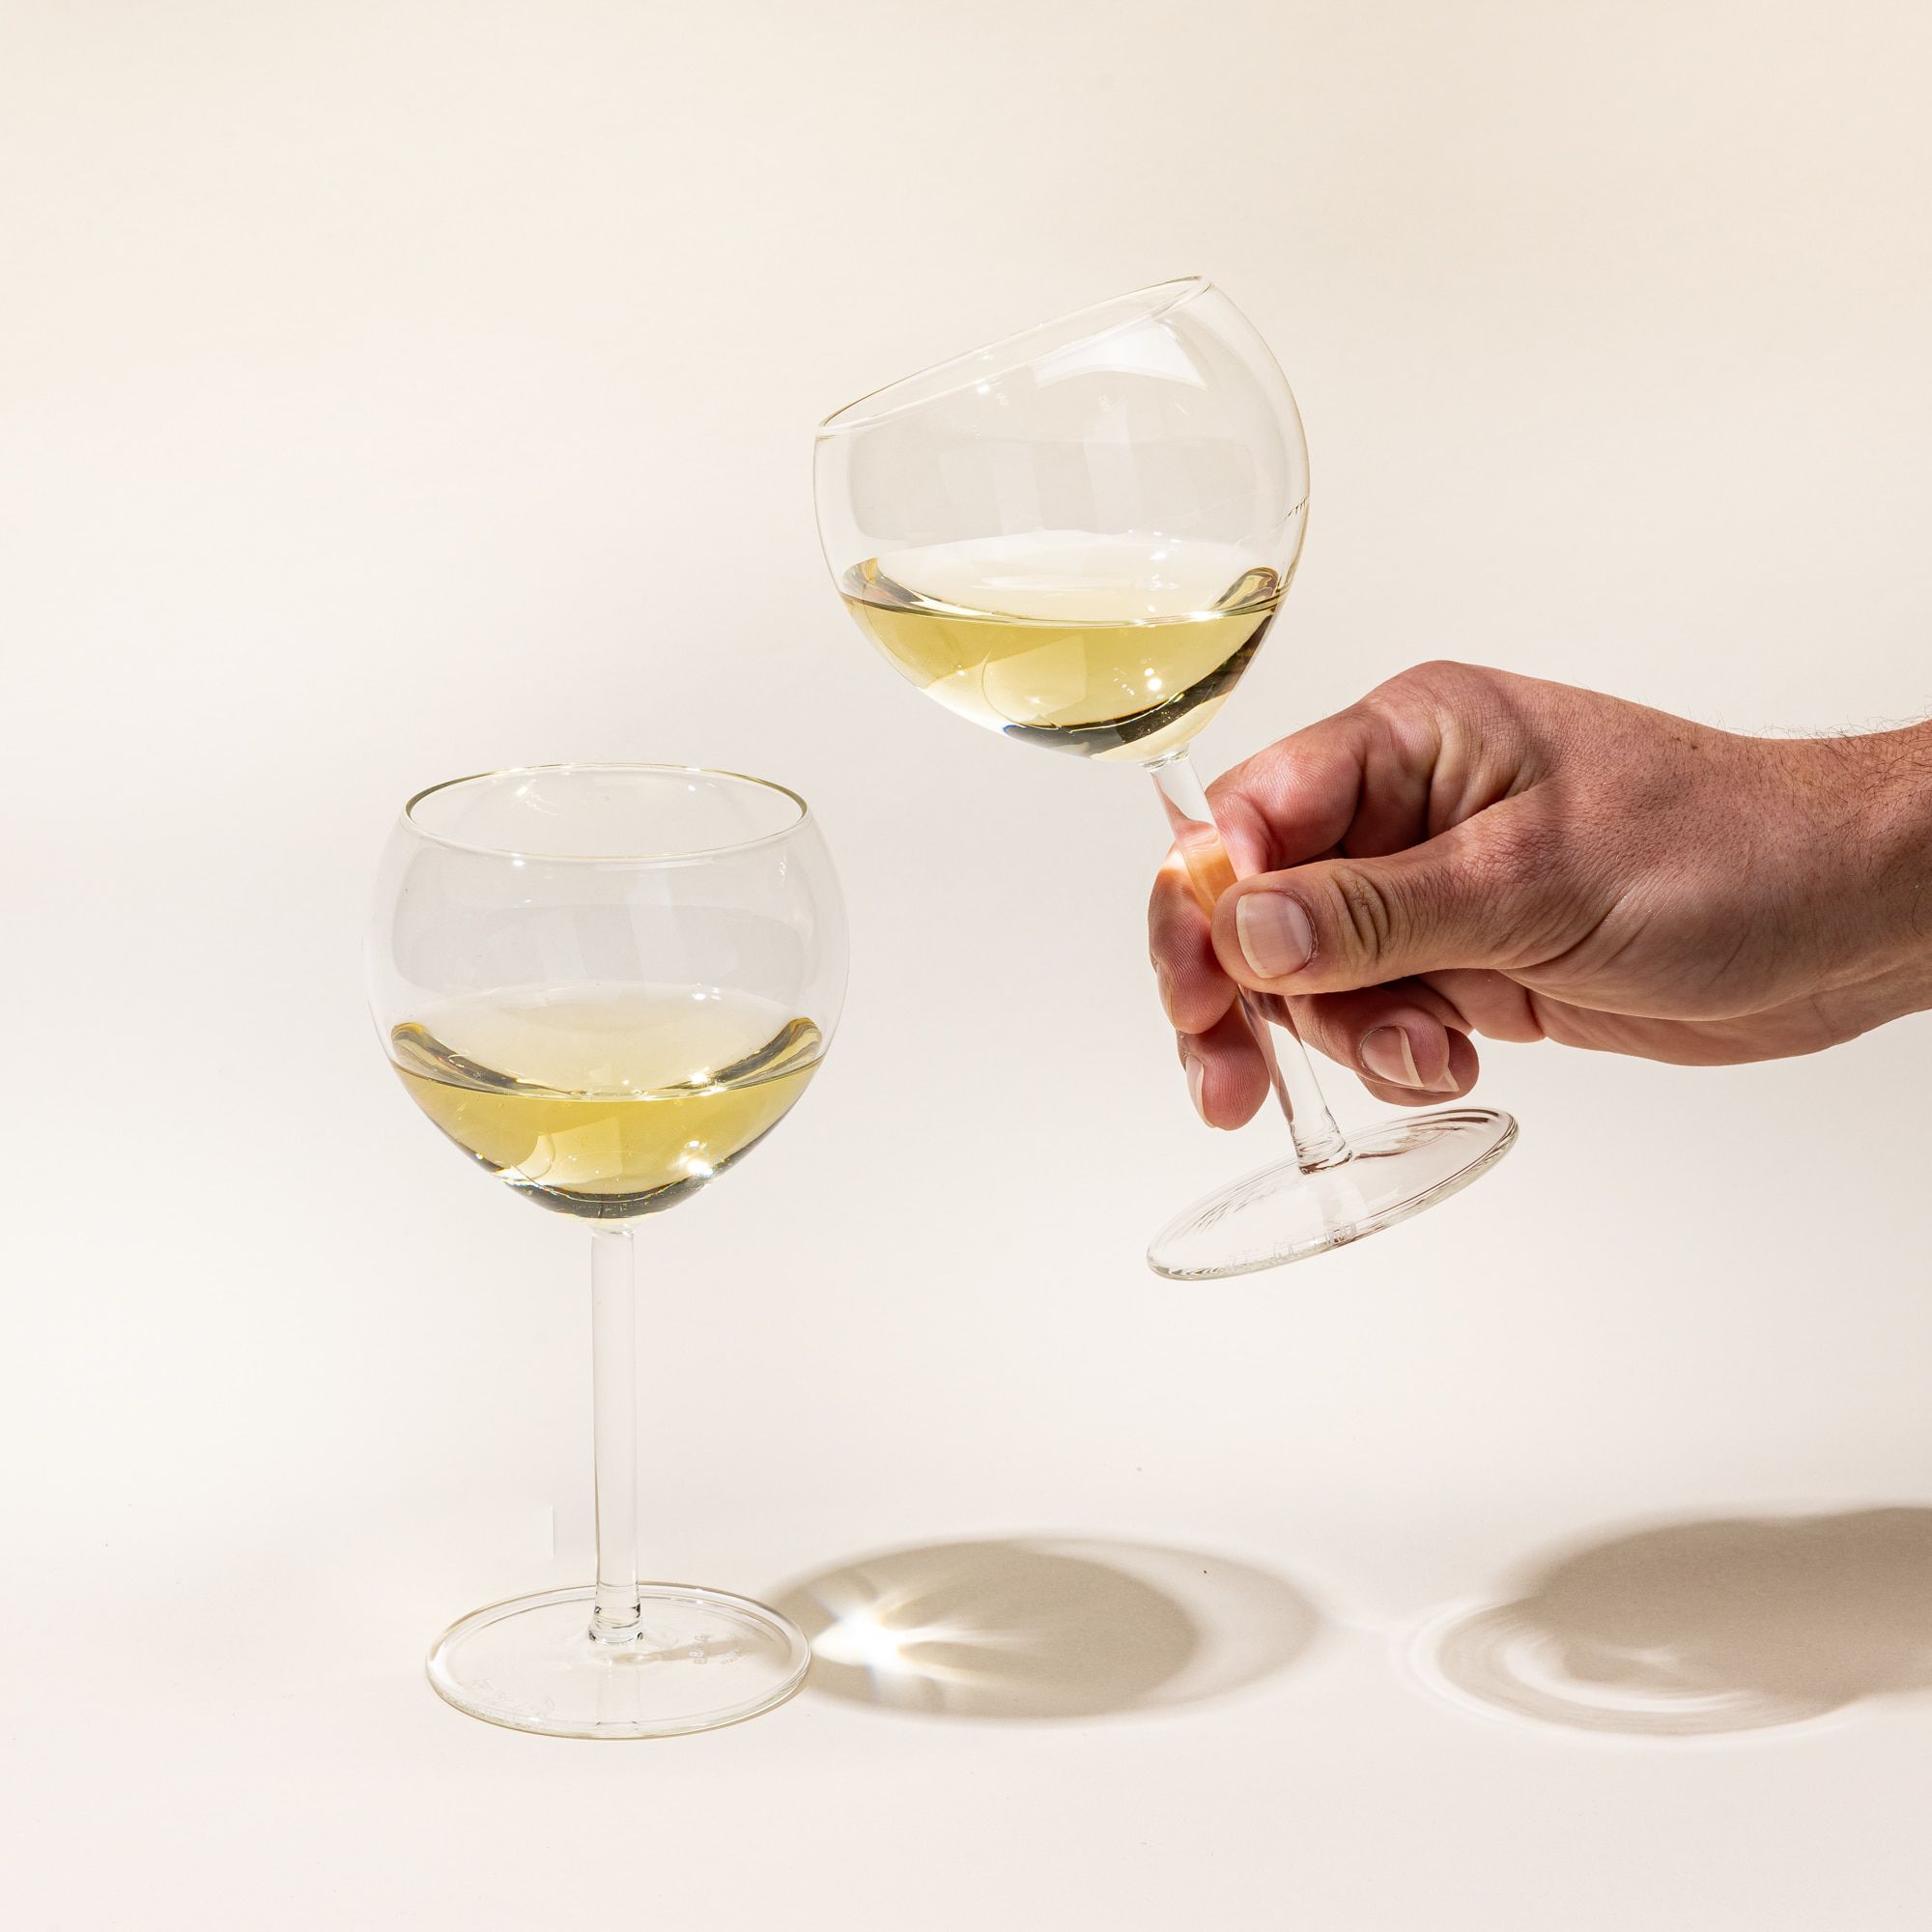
1296	799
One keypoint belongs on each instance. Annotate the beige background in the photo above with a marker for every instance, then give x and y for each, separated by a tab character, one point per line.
388	391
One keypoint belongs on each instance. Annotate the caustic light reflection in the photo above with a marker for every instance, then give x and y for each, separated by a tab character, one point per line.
1044	1630
864	1636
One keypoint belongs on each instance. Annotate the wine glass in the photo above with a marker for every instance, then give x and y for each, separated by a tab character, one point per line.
1079	537
607	984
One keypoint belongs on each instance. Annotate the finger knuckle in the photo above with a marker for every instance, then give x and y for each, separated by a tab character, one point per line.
1431	682
1366	914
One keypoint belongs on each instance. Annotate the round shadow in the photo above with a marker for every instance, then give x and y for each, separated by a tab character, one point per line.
1700	1628
1041	1629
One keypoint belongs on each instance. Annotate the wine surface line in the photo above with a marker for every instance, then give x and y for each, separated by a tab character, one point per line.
1121	648
606	1103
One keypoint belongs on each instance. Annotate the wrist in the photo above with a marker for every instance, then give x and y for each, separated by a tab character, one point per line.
1889	776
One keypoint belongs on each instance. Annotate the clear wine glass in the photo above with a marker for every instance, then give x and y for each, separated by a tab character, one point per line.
1079	537
606	984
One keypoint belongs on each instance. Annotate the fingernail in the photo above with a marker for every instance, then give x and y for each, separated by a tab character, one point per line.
1275	935
1197	1078
1388	1054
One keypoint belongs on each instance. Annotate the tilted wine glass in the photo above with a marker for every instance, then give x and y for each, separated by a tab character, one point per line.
1079	537
607	983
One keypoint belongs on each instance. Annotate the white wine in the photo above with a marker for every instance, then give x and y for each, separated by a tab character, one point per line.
607	1103
1108	647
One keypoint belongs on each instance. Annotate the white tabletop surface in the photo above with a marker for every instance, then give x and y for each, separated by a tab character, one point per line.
388	391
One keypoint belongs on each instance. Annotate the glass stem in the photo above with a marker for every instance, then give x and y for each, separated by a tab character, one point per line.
613	1357
1317	1141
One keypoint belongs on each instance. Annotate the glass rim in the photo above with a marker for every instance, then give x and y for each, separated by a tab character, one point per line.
1175	291
690	856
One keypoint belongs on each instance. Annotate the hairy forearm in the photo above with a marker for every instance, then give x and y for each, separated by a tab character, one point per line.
1876	837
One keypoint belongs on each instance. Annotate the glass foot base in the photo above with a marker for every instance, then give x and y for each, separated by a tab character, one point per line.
1282	1215
701	1659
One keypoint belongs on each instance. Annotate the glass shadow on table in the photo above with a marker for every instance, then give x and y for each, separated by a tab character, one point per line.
1045	1627
1702	1629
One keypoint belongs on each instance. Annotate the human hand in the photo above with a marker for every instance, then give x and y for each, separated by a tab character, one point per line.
1468	852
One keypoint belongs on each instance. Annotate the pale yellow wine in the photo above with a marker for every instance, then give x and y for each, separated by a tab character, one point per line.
608	1104
1108	647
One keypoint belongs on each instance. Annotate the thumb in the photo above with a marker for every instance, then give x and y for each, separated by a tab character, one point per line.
1494	891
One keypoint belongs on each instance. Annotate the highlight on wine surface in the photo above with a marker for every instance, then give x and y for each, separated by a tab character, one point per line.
1079	537
607	984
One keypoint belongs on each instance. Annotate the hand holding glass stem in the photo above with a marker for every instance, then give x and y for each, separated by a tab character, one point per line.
1467	853
1079	538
